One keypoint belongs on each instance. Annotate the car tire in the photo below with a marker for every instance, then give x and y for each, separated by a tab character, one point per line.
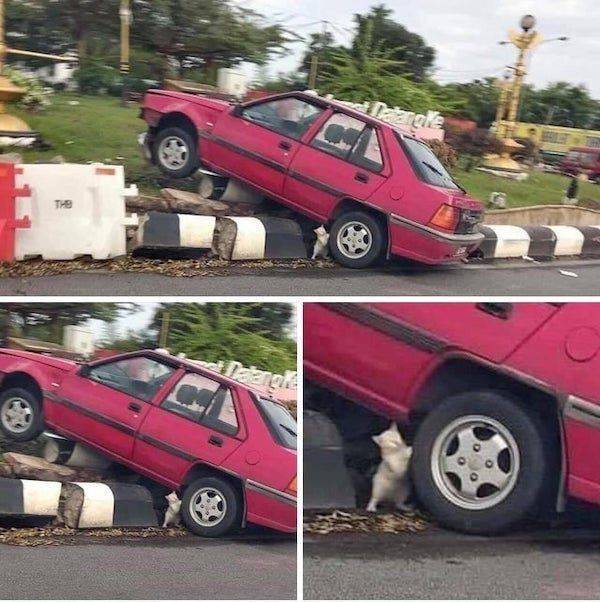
357	239
21	415
175	152
524	472
222	512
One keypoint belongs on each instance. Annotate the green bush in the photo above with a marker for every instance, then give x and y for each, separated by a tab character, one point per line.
37	95
93	77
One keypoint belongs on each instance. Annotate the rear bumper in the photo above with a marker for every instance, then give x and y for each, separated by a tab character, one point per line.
270	508
428	245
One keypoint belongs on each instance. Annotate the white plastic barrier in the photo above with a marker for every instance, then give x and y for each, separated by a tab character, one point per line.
74	210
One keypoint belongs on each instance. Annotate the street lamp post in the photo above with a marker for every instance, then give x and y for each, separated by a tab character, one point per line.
125	14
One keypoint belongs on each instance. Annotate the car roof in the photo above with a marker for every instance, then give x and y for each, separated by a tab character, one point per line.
327	103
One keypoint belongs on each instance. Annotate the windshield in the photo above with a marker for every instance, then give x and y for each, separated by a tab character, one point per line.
426	164
280	422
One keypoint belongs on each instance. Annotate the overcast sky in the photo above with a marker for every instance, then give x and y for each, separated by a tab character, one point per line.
465	34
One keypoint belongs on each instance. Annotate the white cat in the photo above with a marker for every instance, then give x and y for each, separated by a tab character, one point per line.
321	249
172	515
392	479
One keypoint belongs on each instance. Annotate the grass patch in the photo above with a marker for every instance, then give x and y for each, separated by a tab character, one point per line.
98	128
539	189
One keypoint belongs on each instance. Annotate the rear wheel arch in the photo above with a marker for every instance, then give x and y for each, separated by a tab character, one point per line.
459	375
349	204
206	470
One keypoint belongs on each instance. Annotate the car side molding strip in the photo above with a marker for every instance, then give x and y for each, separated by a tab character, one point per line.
389	326
582	411
270	492
460	239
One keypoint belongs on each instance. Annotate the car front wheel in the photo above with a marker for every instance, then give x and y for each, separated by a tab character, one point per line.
176	152
357	239
20	414
482	462
211	507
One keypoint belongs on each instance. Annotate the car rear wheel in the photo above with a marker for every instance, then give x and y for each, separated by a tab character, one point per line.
211	507
21	416
176	152
357	239
482	462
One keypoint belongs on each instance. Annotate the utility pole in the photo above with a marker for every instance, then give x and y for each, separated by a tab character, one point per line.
164	330
125	14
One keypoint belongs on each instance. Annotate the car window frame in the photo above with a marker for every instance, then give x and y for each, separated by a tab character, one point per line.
200	421
270	129
150	401
346	159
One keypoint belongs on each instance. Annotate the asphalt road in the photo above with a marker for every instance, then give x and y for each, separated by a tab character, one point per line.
436	564
190	568
510	278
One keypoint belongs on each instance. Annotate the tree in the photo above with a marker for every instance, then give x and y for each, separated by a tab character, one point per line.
478	99
322	45
252	333
414	58
205	33
369	74
46	321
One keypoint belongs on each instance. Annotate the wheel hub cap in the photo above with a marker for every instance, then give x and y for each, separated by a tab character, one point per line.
16	415
475	462
208	506
173	152
354	240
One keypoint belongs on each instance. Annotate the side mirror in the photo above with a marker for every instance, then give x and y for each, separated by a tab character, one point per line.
237	110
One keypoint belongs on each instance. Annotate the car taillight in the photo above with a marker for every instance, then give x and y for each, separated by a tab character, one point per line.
446	217
292	487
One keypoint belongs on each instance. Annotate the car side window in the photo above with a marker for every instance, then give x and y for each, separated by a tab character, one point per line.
221	414
367	152
139	377
338	135
191	396
290	117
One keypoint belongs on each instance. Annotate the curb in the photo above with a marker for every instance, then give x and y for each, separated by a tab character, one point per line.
176	231
29	498
109	505
538	242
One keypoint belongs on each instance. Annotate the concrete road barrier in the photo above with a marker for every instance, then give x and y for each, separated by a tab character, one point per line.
97	505
538	242
20	497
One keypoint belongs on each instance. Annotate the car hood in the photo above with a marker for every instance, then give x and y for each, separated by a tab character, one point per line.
198	99
47	360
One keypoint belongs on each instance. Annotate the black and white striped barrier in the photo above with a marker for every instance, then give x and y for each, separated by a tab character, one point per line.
97	505
19	497
538	242
58	450
176	231
239	238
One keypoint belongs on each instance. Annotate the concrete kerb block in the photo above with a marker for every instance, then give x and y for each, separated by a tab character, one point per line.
20	497
538	242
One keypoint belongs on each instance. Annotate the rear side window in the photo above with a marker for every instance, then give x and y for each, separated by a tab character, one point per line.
191	396
140	377
280	422
338	135
221	414
367	152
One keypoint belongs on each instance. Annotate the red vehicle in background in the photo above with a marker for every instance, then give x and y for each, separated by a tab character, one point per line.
580	160
229	452
500	400
378	190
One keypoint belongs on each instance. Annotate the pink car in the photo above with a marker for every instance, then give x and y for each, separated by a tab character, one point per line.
228	451
500	400
379	191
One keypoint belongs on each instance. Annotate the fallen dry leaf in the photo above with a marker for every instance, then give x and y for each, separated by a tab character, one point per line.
338	521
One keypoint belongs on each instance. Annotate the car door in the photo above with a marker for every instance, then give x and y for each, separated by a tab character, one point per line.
105	403
343	159
198	420
257	142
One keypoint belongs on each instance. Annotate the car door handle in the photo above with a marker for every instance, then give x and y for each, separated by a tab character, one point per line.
498	310
361	177
285	145
134	407
214	440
